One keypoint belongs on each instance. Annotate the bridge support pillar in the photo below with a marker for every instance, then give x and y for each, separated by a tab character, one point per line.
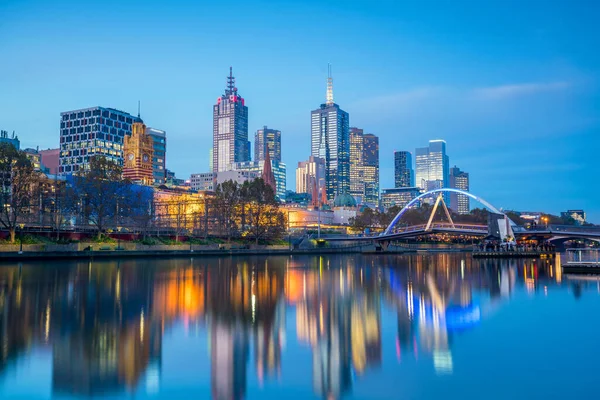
382	245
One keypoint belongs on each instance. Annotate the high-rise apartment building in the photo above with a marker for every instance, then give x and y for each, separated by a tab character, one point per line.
403	170
459	180
330	140
230	128
139	151
432	167
159	158
364	166
95	131
270	139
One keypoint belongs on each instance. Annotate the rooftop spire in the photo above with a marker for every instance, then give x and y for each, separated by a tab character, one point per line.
329	85
138	109
231	89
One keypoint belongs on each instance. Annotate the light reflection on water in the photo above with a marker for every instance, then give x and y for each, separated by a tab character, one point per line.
352	326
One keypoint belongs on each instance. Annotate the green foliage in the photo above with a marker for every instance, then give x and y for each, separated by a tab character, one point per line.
103	239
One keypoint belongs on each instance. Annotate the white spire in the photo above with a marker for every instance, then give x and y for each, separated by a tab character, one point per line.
329	85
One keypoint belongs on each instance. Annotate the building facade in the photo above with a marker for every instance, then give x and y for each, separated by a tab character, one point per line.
89	132
364	167
257	167
50	160
138	149
399	197
404	175
433	167
310	174
240	176
270	139
34	156
203	181
159	157
230	128
330	140
460	203
14	140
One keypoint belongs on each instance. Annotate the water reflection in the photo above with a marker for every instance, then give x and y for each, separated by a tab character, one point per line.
105	322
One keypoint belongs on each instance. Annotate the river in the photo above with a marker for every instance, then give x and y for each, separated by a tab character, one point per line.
298	327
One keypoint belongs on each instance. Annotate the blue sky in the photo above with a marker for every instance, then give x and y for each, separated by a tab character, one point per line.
512	86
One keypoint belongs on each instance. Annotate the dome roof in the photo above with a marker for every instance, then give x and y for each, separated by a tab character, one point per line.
344	200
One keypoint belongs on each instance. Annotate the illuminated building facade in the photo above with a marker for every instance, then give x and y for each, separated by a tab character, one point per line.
403	172
459	180
329	140
279	172
364	167
433	167
399	197
230	128
310	173
95	131
139	153
267	139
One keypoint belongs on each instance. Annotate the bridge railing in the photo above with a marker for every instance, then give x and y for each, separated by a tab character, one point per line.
583	256
441	225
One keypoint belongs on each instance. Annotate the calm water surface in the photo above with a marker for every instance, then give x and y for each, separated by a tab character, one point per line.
353	327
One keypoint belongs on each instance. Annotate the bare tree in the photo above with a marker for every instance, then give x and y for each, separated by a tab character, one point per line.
265	219
226	207
18	190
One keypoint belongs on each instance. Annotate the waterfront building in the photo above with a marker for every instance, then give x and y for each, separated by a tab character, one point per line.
14	140
364	167
159	157
89	132
578	215
203	181
230	128
404	175
270	139
139	153
459	180
278	169
432	167
399	197
330	140
50	160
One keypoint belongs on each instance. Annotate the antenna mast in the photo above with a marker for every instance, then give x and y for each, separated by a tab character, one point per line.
329	85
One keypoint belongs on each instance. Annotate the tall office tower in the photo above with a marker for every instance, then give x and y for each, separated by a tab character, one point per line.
159	159
459	180
267	139
310	173
230	128
403	171
95	131
139	153
433	166
330	140
364	166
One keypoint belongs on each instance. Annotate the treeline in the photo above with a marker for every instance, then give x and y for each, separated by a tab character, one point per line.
99	199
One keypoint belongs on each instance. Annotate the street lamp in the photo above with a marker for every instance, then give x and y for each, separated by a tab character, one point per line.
21	238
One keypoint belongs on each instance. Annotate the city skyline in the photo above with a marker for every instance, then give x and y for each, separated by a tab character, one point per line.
490	113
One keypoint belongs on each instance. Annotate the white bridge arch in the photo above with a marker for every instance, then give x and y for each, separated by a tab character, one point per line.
487	205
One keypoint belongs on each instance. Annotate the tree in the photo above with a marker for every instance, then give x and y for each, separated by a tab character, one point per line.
55	203
141	210
101	194
19	186
366	220
227	197
263	210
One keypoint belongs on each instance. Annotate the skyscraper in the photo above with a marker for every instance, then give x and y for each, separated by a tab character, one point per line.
433	167
330	140
310	173
459	180
364	166
230	128
267	139
403	171
159	158
92	131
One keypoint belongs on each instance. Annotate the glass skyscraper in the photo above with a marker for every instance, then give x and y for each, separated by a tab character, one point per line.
433	167
330	140
230	128
89	132
267	139
459	180
403	171
364	166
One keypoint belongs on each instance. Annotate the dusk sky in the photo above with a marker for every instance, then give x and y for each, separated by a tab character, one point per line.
512	86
